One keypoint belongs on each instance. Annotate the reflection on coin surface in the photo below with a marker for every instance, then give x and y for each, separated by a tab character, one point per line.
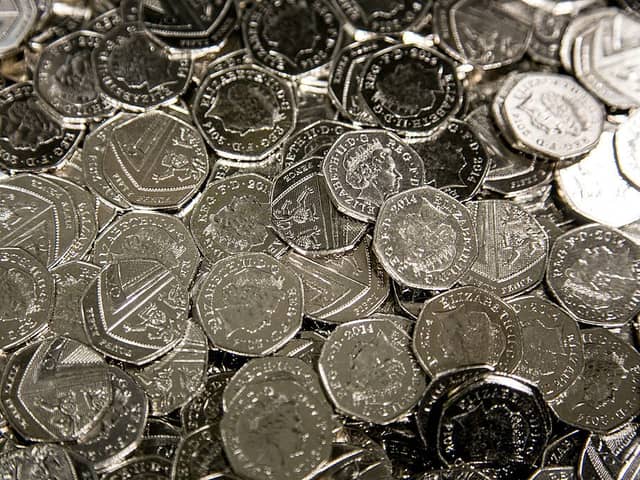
314	140
627	143
18	18
615	453
383	17
199	453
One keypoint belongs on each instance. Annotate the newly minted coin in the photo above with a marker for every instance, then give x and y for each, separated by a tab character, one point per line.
139	468
232	216
314	140
369	371
392	17
206	407
250	304
607	394
18	18
304	216
552	353
292	37
627	144
594	272
26	292
31	139
616	454
135	311
565	450
425	239
364	168
411	89
199	454
455	162
150	236
244	113
553	116
38	461
276	430
460	473
512	248
467	327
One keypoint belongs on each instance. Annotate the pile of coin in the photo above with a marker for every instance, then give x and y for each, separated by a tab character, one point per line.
320	239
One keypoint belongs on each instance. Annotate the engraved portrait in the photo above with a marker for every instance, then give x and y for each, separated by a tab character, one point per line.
371	170
240	225
602	378
26	126
74	79
546	346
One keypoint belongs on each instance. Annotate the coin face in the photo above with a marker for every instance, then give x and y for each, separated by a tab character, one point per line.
594	272
232	216
31	462
314	140
364	168
199	453
553	116
135	311
276	430
512	248
383	17
607	394
18	18
425	239
139	468
292	37
410	89
206	407
627	144
614	453
250	304
303	215
244	113
467	327
369	371
548	30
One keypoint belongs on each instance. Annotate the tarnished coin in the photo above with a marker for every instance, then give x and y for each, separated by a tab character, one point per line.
467	327
364	168
552	353
314	140
31	139
369	371
66	81
172	380
614	455
455	162
292	37
594	272
156	160
425	239
410	89
70	282
553	116
339	288
55	390
594	188
512	248
244	113
607	394
199	454
304	216
149	236
140	468
135	311
38	462
383	17
488	34
18	18
276	430
250	304
120	429
135	72
206	407
27	293
627	144
232	216
555	473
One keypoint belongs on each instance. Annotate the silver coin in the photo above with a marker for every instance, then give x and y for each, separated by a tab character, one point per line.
38	462
18	18
140	468
250	304
70	281
135	72
303	215
607	394
314	140
232	217
160	439
156	160
244	113
615	455
339	288
369	371
66	81
171	381
237	58
149	236
364	168
594	188
199	453
299	443
461	473
552	352
135	311
512	248
576	27
548	30
594	273
106	21
467	327
55	390
562	7
292	37
553	116
425	239
206	407
383	17
564	450
627	144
